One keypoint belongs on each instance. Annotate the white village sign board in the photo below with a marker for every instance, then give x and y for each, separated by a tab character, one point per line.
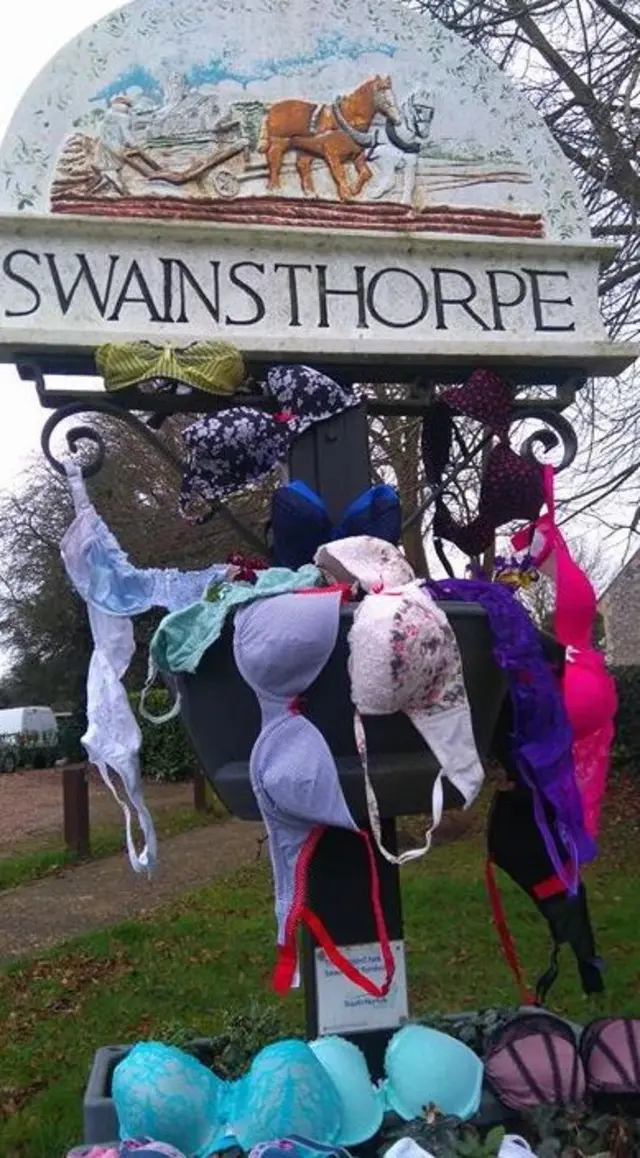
302	177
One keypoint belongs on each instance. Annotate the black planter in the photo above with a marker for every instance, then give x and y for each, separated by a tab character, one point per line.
223	719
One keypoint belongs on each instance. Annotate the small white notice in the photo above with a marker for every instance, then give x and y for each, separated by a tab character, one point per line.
344	1008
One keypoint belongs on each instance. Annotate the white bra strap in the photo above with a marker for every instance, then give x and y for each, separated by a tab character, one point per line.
437	803
144	861
174	710
76	485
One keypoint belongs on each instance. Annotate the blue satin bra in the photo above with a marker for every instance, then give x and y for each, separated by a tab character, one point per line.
300	521
320	1091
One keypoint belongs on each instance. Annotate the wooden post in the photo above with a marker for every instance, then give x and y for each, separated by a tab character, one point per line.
75	791
200	791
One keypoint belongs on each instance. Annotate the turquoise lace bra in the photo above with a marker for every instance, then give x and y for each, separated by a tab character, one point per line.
320	1091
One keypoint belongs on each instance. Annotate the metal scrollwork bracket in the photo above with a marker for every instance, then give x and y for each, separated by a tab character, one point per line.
83	434
556	430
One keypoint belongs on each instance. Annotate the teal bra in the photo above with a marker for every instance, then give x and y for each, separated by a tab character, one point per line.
320	1091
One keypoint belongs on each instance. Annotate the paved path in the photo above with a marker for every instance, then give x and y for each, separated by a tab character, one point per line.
103	892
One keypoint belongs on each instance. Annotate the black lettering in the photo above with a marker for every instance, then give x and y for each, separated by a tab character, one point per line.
292	267
374	311
250	292
186	277
324	293
539	301
134	275
84	274
498	303
9	271
167	285
441	301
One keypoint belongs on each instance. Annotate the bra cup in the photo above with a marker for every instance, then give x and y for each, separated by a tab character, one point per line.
424	1066
377	513
533	1060
471	538
586	693
163	1093
610	1049
282	644
512	487
365	560
286	1092
300	523
114	585
313	794
361	1102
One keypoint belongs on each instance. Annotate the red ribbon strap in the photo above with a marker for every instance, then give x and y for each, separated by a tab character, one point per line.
284	971
506	940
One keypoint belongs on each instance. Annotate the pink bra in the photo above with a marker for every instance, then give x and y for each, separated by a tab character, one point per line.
588	690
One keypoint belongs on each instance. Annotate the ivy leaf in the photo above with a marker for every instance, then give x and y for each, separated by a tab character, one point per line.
495	1138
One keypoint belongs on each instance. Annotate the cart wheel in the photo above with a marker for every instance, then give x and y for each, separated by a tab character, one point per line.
225	184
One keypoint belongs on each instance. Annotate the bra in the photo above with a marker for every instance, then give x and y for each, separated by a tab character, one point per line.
515	844
321	1091
511	487
300	522
215	367
538	1059
280	646
588	690
114	591
576	603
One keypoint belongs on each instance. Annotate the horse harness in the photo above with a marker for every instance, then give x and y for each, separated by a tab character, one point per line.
362	139
369	140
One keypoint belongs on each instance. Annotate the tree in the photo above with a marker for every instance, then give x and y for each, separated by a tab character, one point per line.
578	62
43	622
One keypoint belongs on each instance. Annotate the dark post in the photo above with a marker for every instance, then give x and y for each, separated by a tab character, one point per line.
199	790
75	791
333	459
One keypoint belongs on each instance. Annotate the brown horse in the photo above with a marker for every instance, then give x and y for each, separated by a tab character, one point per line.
336	133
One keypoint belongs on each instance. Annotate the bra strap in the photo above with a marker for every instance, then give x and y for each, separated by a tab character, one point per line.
437	803
174	710
504	933
300	912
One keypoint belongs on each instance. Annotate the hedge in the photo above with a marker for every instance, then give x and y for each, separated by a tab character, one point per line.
166	754
627	743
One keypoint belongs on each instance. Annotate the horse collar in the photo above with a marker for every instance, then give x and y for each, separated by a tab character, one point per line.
360	138
396	139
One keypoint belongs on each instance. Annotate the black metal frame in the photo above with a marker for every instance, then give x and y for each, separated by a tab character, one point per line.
156	408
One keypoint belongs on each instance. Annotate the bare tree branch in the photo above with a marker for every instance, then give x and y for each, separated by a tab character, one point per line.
623	17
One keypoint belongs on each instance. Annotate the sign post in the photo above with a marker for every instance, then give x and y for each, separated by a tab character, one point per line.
319	181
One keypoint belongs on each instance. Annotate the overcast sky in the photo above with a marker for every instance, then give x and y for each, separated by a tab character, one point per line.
33	33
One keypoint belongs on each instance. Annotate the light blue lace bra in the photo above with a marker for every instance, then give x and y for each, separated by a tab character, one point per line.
321	1091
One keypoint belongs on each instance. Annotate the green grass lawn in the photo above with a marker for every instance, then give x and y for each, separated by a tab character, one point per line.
194	960
43	858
